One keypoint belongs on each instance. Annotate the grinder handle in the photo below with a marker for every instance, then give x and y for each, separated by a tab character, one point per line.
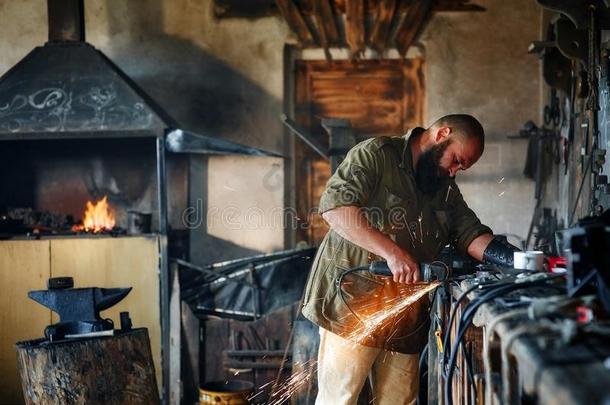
429	271
380	268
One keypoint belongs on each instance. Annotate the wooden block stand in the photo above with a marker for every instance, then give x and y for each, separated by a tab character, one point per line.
101	370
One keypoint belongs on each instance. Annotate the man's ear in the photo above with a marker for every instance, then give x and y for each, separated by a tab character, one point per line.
442	133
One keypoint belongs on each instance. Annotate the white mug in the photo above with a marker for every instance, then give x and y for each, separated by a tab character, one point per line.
530	260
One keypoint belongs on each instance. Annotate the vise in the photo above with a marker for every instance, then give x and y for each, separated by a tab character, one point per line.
79	308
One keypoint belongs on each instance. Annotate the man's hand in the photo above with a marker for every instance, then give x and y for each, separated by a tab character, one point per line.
404	269
351	223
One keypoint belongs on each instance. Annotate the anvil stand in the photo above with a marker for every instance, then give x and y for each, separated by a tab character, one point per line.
83	359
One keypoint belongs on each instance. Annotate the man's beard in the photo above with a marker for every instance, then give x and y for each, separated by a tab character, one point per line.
429	175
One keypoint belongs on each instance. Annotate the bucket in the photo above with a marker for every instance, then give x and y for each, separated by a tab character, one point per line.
235	392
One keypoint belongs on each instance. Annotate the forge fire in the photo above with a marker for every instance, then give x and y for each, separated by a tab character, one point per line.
98	217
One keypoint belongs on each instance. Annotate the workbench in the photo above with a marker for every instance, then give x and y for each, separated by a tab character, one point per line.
537	367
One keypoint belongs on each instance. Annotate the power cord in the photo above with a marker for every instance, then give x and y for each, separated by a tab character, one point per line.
468	316
339	282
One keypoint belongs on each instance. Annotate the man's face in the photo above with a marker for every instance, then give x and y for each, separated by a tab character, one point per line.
443	160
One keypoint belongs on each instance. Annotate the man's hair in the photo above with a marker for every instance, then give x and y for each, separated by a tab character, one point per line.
465	125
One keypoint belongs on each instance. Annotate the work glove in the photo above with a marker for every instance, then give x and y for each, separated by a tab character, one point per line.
500	252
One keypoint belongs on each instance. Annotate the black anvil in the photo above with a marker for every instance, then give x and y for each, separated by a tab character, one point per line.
78	308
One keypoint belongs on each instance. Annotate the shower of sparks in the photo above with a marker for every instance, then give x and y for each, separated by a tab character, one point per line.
371	324
448	191
412	235
381	319
501	180
501	194
282	392
421	231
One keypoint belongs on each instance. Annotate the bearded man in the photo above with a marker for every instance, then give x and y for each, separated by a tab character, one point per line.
392	199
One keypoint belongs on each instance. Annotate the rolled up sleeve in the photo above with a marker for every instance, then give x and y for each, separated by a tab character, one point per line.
465	225
355	178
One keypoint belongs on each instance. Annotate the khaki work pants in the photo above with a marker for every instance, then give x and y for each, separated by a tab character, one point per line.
343	367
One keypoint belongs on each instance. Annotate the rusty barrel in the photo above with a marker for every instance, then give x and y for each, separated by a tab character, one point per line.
235	392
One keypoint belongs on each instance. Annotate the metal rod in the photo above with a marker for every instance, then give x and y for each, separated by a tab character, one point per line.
254	353
306	137
163	266
255	365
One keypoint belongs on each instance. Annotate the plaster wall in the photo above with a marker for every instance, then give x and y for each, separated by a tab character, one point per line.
225	78
477	63
221	78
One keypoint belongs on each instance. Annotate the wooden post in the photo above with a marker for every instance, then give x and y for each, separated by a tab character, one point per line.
101	370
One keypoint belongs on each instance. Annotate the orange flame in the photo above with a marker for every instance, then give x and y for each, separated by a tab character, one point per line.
98	217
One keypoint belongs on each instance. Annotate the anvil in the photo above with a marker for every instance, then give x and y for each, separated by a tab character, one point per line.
78	308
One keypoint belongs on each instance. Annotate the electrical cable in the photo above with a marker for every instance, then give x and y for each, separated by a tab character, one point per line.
363	268
468	360
468	316
340	281
463	296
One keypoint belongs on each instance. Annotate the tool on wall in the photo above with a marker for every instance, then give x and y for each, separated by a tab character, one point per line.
79	308
542	153
341	138
575	65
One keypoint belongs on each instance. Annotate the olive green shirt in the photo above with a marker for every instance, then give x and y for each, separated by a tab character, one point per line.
377	175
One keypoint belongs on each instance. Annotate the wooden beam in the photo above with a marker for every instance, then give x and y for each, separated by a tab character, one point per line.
354	29
327	30
295	21
457	5
244	9
325	19
413	24
382	23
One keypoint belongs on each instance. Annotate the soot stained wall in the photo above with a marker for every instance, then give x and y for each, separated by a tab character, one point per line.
478	64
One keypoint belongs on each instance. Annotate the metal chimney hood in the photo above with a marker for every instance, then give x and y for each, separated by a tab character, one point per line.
68	89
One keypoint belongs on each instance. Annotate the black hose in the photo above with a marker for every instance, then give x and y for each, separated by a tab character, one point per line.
467	317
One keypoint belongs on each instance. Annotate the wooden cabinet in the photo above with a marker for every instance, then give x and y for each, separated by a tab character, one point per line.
92	262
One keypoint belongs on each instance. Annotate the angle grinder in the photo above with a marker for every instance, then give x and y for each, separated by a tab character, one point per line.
437	271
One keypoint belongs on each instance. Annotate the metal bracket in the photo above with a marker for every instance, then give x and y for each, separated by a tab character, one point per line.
557	70
577	11
599	158
571	41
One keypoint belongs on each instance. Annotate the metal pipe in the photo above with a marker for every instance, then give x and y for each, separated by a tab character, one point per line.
163	265
66	20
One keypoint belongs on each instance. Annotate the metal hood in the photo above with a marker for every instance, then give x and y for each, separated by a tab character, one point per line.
69	89
72	87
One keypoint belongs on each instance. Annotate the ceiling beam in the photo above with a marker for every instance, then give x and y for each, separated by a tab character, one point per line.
382	24
327	29
457	5
325	11
295	21
244	9
354	26
413	24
